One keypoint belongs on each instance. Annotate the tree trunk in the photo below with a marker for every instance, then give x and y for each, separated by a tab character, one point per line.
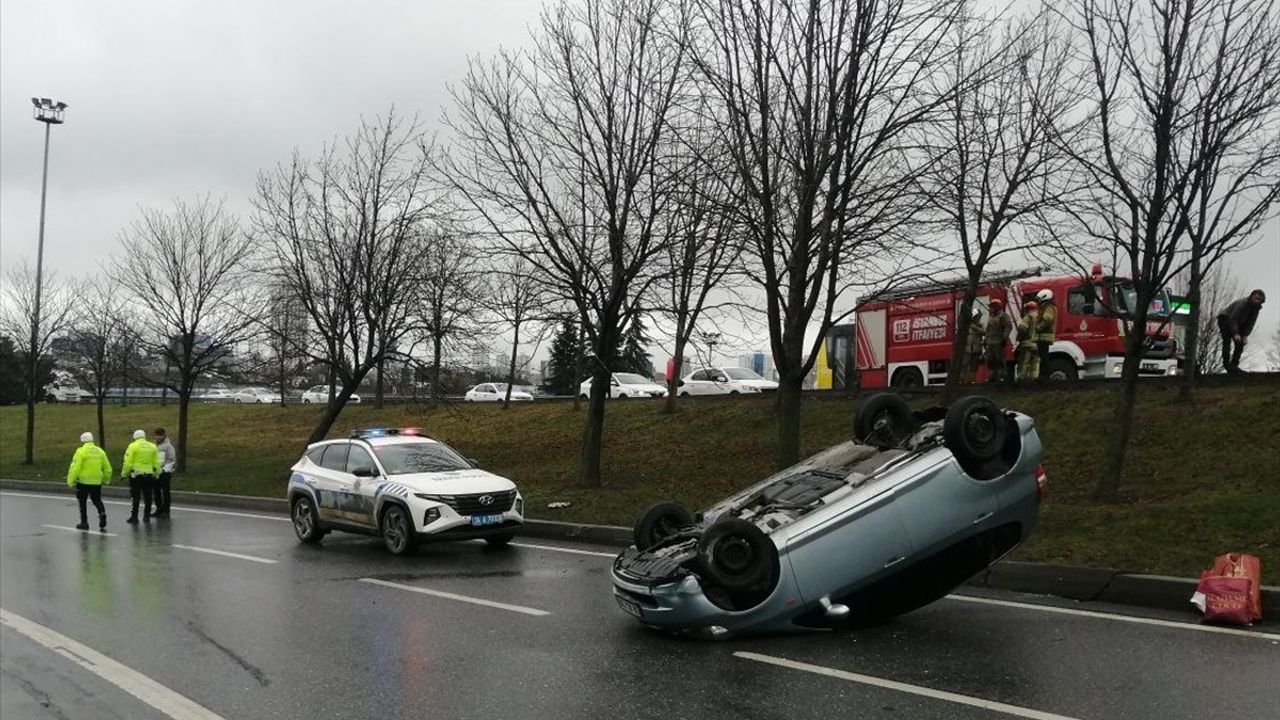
790	385
184	403
102	425
960	343
377	391
1191	354
435	370
578	372
593	432
511	371
673	382
331	411
30	458
282	382
1122	425
333	383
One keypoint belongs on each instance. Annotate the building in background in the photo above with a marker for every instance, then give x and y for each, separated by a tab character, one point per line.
759	362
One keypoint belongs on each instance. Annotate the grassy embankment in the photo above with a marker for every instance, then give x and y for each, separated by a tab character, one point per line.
1202	479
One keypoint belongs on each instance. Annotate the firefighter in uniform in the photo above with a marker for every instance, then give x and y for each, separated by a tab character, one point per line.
141	467
999	325
1045	324
1028	351
90	470
973	349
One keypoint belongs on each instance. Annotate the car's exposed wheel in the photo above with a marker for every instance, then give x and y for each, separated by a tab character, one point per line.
1060	367
397	532
500	540
884	419
737	556
306	523
659	522
974	430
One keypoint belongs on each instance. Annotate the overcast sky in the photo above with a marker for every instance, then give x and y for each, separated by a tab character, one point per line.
176	98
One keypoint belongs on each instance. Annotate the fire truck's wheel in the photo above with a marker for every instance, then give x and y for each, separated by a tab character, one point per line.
1060	367
907	378
974	430
884	419
659	522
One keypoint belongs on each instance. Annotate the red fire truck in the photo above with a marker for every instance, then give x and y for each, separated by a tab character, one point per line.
904	339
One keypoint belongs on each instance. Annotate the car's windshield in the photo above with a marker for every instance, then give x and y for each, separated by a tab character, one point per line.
419	457
1127	297
741	374
630	378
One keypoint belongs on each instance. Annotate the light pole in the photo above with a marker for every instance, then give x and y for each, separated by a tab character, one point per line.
49	113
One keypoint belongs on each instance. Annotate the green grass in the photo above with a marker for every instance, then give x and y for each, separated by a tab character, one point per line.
1201	479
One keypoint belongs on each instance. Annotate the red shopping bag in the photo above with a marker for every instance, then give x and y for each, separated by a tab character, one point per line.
1240	565
1227	600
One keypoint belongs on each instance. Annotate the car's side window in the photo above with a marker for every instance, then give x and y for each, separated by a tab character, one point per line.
488	389
359	457
314	454
335	457
700	375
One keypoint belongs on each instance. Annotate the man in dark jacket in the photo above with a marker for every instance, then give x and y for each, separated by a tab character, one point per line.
1235	323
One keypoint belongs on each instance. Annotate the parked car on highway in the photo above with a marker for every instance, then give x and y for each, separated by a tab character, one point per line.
255	395
626	385
220	395
718	381
402	486
320	394
893	519
495	392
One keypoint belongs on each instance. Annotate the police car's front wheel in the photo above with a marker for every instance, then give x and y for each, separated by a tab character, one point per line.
306	524
397	532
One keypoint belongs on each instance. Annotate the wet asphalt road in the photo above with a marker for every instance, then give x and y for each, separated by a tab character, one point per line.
308	636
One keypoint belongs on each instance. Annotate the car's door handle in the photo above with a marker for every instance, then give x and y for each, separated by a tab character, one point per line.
982	516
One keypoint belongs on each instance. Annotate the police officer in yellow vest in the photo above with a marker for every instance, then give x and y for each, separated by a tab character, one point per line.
89	470
1045	325
141	466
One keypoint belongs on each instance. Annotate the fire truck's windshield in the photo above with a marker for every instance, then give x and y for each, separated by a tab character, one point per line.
1126	297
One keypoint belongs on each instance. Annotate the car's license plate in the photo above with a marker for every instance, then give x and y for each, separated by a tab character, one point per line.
1150	367
482	520
627	605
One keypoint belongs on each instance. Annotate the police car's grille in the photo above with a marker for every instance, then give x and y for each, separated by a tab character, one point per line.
480	503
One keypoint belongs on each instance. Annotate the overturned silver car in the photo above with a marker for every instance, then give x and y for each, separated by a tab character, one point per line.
915	504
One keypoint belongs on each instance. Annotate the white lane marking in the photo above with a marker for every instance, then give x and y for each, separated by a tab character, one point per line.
459	598
74	530
1119	618
183	508
126	678
999	707
574	551
224	553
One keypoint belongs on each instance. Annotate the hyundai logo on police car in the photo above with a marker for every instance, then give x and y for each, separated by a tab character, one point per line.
485	499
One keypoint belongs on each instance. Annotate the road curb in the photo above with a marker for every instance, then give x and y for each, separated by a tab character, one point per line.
1075	583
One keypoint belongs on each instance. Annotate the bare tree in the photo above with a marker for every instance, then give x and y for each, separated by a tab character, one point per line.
999	161
1161	70
450	279
517	299
186	270
818	98
345	237
99	342
561	152
1217	289
33	329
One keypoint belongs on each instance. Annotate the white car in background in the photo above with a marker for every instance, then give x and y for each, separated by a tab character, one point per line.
626	385
403	486
718	381
217	396
495	392
66	394
255	396
319	394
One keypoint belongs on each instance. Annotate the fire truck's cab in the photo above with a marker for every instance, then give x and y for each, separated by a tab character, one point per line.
904	340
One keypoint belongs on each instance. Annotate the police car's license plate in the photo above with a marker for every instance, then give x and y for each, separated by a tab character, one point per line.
481	520
627	605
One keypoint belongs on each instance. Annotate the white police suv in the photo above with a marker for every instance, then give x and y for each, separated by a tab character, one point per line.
401	485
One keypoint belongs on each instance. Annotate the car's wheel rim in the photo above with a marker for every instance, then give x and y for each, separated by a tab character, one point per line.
394	531
734	555
303	521
981	429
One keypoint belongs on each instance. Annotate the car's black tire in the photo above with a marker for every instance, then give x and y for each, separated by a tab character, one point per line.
1059	367
500	540
658	522
907	378
306	521
397	530
584	396
974	430
684	394
883	419
736	555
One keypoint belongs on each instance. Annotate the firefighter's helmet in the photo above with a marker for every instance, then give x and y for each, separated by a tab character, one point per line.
1044	295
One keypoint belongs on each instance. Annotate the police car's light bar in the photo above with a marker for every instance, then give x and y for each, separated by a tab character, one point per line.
372	432
410	431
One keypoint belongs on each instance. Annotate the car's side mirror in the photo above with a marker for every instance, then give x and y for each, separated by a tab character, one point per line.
680	384
363	471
